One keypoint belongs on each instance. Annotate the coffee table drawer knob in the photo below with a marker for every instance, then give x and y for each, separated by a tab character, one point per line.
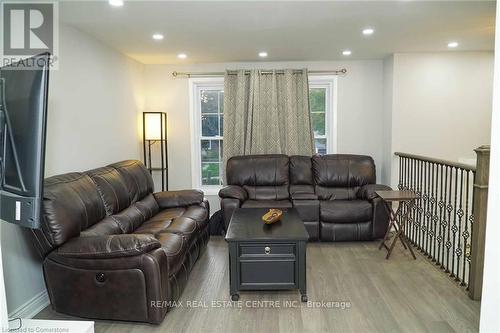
267	250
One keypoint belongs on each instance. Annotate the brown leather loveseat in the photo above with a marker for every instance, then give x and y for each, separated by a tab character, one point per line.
113	248
333	194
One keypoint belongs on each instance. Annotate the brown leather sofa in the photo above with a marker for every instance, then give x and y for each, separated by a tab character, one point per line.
113	248
333	194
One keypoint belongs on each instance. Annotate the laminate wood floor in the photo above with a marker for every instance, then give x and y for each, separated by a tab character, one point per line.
366	293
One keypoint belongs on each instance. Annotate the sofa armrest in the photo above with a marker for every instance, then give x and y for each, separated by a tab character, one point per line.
111	246
367	192
228	206
233	192
172	199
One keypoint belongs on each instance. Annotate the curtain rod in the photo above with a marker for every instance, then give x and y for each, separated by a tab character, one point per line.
212	74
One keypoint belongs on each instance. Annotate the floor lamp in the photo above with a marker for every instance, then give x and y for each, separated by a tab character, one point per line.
154	133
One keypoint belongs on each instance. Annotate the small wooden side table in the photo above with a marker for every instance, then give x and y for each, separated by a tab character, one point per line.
404	198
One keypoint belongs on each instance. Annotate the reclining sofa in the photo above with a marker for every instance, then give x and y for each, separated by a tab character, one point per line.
113	249
333	194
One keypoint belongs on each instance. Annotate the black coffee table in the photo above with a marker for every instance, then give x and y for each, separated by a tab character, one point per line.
266	257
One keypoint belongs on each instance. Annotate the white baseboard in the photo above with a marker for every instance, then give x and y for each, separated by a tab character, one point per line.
32	307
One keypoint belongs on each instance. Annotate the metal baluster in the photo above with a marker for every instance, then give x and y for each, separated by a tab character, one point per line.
430	213
471	220
454	227
465	234
400	183
434	212
441	223
421	205
405	177
460	212
426	216
441	205
408	185
449	209
405	169
413	210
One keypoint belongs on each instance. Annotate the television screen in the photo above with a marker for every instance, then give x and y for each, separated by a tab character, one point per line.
23	114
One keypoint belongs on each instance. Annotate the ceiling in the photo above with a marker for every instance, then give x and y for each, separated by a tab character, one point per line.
289	31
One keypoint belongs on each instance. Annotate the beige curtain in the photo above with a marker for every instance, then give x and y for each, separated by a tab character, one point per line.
267	113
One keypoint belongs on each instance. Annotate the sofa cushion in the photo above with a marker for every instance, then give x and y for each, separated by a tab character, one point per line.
175	247
345	211
171	221
112	188
129	219
184	226
148	206
267	192
71	203
302	191
197	213
137	178
336	193
257	170
107	226
267	204
112	246
159	222
343	170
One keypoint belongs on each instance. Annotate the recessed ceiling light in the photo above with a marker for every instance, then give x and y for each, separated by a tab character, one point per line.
116	3
182	56
452	45
263	54
157	36
368	31
346	52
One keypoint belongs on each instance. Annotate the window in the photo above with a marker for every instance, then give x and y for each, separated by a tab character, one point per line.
207	109
322	106
207	103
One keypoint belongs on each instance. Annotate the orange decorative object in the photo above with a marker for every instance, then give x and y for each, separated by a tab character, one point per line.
272	216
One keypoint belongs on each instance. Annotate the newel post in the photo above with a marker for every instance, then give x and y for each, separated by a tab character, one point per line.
479	225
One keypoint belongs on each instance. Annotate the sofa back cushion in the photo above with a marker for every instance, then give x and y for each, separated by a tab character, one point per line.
137	178
301	170
265	177
339	176
301	176
112	188
71	203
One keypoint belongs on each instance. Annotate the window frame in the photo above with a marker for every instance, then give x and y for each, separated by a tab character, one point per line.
329	82
195	86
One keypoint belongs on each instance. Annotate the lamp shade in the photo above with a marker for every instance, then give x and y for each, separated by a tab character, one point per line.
153	126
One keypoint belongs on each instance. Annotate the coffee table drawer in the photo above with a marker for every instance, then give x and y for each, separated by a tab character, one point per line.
267	249
267	274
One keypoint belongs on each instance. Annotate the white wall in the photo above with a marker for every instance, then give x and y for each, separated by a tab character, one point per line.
490	303
441	104
94	100
359	109
388	101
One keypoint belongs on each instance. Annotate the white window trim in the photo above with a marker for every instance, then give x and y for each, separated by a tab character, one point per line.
330	83
195	85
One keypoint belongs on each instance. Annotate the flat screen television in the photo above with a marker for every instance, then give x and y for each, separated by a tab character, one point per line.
23	117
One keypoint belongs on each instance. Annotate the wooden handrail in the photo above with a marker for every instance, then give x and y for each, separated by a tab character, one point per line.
438	161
